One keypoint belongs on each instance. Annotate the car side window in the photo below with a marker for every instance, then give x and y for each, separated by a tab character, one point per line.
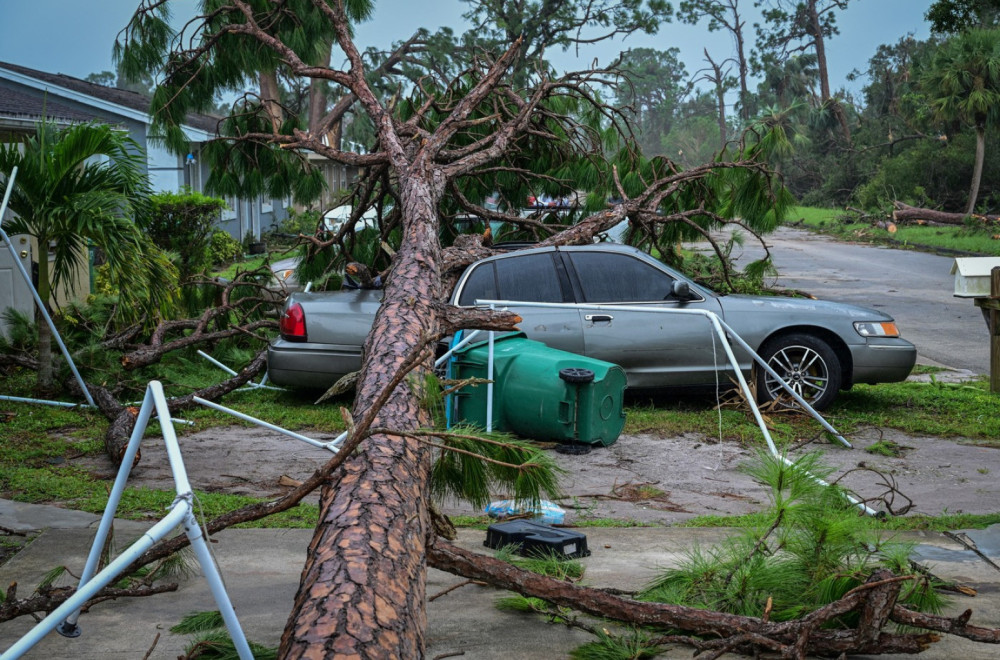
480	285
529	277
608	277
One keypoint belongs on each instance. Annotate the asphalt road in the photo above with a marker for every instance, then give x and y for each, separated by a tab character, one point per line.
913	287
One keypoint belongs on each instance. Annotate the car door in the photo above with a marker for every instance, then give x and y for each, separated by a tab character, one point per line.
531	276
656	349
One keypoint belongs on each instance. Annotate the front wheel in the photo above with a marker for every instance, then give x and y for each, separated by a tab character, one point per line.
806	363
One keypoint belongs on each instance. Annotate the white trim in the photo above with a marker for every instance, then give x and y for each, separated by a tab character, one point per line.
193	134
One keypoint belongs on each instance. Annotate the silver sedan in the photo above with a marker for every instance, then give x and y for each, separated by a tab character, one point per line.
818	347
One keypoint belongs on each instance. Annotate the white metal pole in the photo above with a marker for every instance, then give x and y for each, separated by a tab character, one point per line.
215	585
695	312
101	580
333	445
457	347
489	387
716	324
69	627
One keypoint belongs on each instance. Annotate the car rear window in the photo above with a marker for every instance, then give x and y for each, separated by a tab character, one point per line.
608	277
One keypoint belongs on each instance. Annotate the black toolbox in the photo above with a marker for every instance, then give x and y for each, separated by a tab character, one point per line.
533	538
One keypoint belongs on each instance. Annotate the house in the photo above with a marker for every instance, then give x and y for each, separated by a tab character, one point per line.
27	96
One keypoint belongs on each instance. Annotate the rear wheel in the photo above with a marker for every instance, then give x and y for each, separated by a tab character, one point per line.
806	363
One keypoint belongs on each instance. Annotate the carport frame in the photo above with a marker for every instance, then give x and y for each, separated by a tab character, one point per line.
64	618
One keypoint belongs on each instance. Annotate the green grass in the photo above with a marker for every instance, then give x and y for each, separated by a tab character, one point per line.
941	523
963	411
38	444
242	265
952	239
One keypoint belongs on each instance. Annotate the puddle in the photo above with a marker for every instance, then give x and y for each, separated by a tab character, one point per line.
986	540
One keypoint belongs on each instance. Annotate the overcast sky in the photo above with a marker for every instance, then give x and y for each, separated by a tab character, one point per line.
75	37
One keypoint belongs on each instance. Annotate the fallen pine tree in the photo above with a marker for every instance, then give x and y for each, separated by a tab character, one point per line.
912	214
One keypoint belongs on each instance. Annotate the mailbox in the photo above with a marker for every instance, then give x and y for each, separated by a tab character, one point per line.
972	276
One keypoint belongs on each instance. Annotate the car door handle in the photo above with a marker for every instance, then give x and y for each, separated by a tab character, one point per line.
599	318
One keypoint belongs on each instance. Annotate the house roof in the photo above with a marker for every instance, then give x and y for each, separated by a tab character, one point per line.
16	105
132	103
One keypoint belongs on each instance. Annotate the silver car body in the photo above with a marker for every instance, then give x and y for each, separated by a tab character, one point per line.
655	349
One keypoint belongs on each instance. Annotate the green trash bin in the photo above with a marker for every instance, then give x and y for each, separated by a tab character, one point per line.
540	392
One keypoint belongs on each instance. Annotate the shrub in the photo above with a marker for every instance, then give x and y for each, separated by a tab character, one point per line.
183	223
223	248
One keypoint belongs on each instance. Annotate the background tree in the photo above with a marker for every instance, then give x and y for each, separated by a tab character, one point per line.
725	15
793	26
143	83
721	82
952	16
537	25
656	85
79	186
962	82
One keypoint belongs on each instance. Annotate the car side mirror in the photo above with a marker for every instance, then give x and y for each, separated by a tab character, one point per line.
681	290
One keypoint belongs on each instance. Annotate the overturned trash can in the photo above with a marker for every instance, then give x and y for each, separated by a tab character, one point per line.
541	392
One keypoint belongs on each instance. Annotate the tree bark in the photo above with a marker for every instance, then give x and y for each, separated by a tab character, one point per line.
270	98
819	43
977	172
906	213
45	380
362	589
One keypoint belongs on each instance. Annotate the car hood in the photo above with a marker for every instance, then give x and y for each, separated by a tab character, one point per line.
794	306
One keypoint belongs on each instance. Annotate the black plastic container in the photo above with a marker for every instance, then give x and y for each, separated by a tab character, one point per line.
535	539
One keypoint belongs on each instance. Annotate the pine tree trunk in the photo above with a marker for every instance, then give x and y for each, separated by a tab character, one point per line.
362	589
977	172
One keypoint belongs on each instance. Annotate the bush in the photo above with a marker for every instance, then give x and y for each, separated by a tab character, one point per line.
182	223
223	248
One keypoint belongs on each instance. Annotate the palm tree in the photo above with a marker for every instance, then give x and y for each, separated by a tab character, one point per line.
76	186
963	85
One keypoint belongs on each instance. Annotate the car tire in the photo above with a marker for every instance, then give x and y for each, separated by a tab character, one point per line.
807	363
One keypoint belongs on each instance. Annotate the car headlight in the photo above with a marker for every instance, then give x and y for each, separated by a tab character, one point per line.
282	275
872	329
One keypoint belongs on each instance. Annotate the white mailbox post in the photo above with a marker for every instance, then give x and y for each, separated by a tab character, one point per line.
979	278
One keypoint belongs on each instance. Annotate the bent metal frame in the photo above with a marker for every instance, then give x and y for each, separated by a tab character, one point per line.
64	618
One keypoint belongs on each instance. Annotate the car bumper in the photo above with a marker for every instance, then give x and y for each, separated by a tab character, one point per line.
883	361
305	365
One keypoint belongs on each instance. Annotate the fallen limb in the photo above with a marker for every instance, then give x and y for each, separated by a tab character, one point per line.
875	600
123	418
957	626
49	599
906	213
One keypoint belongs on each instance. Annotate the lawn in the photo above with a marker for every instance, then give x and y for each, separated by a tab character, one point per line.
951	240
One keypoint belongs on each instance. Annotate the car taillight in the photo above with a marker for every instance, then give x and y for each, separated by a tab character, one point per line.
293	323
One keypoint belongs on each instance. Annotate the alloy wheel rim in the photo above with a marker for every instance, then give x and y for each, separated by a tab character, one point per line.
802	368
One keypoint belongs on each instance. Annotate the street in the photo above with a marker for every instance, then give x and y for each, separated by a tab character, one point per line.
914	287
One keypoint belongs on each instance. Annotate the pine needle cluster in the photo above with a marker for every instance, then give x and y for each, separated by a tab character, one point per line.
811	548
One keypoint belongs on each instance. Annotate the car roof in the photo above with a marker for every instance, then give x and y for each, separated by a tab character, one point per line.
514	249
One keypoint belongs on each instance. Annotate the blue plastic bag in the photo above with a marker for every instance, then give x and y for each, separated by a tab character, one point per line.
547	512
